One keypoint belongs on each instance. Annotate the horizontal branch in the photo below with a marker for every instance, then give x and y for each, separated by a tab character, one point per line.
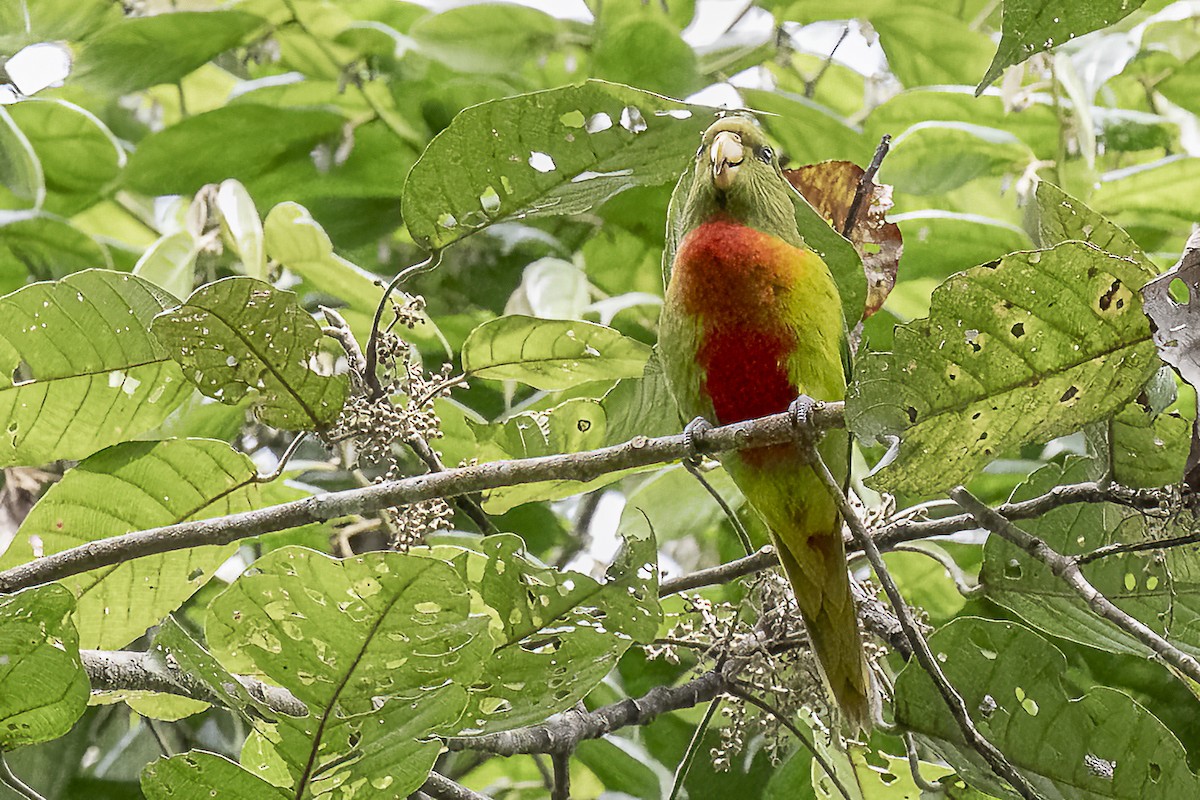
564	731
765	558
124	670
440	787
582	467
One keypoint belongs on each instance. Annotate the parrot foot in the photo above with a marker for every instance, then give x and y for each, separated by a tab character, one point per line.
693	430
801	411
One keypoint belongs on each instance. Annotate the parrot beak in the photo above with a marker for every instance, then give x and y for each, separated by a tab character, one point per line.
726	156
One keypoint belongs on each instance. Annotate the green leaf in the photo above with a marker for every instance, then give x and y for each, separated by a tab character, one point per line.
1030	347
79	156
808	131
559	632
40	655
646	50
940	243
1149	193
79	369
1031	26
551	354
43	247
1158	589
1035	124
241	228
241	141
139	52
1144	448
936	157
131	487
198	775
928	47
1182	86
641	406
22	184
170	263
560	151
1011	679
487	37
22	22
339	633
1058	217
240	334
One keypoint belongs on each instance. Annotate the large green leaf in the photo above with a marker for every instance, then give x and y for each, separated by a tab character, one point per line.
1103	745
79	369
379	646
22	184
242	141
240	334
940	243
486	37
1058	217
1031	26
1143	448
644	49
23	22
43	247
140	52
46	690
559	632
1149	193
551	354
198	775
1030	347
936	157
79	155
560	151
131	487
1162	590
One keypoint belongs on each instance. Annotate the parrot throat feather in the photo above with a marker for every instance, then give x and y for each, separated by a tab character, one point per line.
736	280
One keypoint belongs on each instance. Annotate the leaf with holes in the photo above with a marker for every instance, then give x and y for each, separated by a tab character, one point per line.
79	369
551	354
559	632
1142	447
131	487
560	151
357	640
1176	328
1011	680
39	663
198	775
1031	26
239	335
1161	589
1033	346
1058	217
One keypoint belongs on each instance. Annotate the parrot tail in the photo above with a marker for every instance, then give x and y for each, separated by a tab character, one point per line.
827	608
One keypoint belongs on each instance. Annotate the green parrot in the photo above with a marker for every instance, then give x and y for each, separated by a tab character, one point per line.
753	321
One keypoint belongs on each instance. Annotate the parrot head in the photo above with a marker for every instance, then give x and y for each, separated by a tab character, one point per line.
736	174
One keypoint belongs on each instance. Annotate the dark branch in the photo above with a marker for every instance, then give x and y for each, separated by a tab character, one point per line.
639	452
757	562
440	787
866	185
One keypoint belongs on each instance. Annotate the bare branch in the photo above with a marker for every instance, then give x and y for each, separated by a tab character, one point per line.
562	775
866	183
1121	548
440	787
723	573
9	779
1068	570
693	468
924	656
585	466
123	670
372	358
566	730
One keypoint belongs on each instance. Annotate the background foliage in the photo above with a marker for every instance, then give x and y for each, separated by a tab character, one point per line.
176	213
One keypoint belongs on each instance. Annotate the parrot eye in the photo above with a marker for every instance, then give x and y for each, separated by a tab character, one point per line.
766	154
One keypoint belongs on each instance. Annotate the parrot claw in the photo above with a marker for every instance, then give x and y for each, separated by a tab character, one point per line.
801	411
694	429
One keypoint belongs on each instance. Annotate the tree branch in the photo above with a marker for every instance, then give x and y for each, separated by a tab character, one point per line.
1068	570
585	466
442	788
765	558
564	731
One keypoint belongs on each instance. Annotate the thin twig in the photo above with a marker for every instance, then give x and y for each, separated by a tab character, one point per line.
914	767
429	263
562	776
539	761
339	329
807	743
963	582
9	779
1122	548
866	185
581	467
765	558
159	738
694	470
1068	570
810	87
689	755
440	787
468	504
281	465
954	701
